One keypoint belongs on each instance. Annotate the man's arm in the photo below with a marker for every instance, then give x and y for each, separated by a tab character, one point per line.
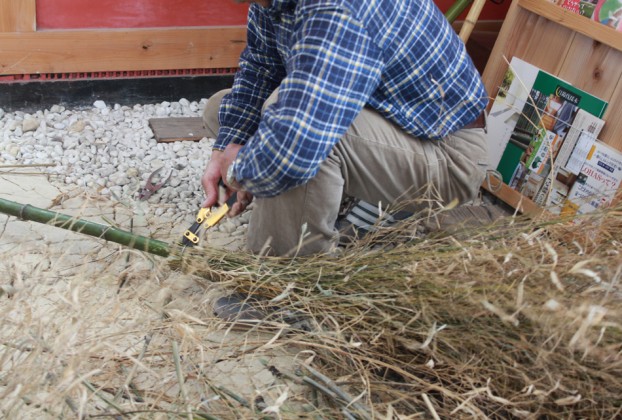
261	71
333	70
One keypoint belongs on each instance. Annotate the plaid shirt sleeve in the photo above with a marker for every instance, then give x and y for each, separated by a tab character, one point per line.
261	70
332	70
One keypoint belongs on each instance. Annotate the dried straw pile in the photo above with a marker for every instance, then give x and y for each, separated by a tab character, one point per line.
519	319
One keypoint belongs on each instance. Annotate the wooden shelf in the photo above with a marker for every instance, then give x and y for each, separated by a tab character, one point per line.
585	53
581	24
511	197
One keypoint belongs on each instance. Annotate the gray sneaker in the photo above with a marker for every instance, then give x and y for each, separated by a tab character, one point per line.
238	307
363	218
241	308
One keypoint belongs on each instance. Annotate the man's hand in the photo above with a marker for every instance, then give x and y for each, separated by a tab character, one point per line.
216	170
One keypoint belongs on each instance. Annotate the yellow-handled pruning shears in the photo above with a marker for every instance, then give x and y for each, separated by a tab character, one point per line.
207	218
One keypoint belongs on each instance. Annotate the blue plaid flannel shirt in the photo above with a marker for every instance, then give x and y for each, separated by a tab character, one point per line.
329	59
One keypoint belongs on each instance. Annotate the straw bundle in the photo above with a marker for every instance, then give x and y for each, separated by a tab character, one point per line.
519	319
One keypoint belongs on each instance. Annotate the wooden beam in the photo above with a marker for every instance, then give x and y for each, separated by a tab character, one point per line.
511	197
18	16
69	51
167	130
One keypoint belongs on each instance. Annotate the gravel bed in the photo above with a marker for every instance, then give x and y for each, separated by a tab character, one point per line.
112	150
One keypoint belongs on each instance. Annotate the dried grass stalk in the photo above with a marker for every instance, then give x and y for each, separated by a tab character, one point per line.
518	319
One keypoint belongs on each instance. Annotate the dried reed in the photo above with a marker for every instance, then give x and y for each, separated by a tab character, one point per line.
521	318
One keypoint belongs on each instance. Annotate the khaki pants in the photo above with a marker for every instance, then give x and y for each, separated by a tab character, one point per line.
375	161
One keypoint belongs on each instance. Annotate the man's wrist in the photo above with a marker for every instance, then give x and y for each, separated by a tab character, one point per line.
230	178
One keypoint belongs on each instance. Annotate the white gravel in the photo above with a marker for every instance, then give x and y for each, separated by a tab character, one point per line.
111	149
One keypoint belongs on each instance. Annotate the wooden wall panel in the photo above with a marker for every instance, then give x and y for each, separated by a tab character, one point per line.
597	68
511	42
592	66
18	16
119	50
612	131
548	44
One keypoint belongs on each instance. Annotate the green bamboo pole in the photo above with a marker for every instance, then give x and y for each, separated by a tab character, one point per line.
456	9
106	232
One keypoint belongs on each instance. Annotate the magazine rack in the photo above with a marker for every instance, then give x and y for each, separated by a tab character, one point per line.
585	53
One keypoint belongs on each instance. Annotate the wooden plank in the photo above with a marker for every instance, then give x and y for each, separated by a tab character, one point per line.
612	131
512	42
599	73
558	41
592	66
511	197
18	16
495	68
575	22
178	129
121	50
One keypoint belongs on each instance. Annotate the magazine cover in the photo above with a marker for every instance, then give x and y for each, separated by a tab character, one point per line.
597	182
584	122
568	160
507	107
609	12
542	126
581	7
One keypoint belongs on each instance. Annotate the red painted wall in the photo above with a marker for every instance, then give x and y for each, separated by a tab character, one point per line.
77	14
